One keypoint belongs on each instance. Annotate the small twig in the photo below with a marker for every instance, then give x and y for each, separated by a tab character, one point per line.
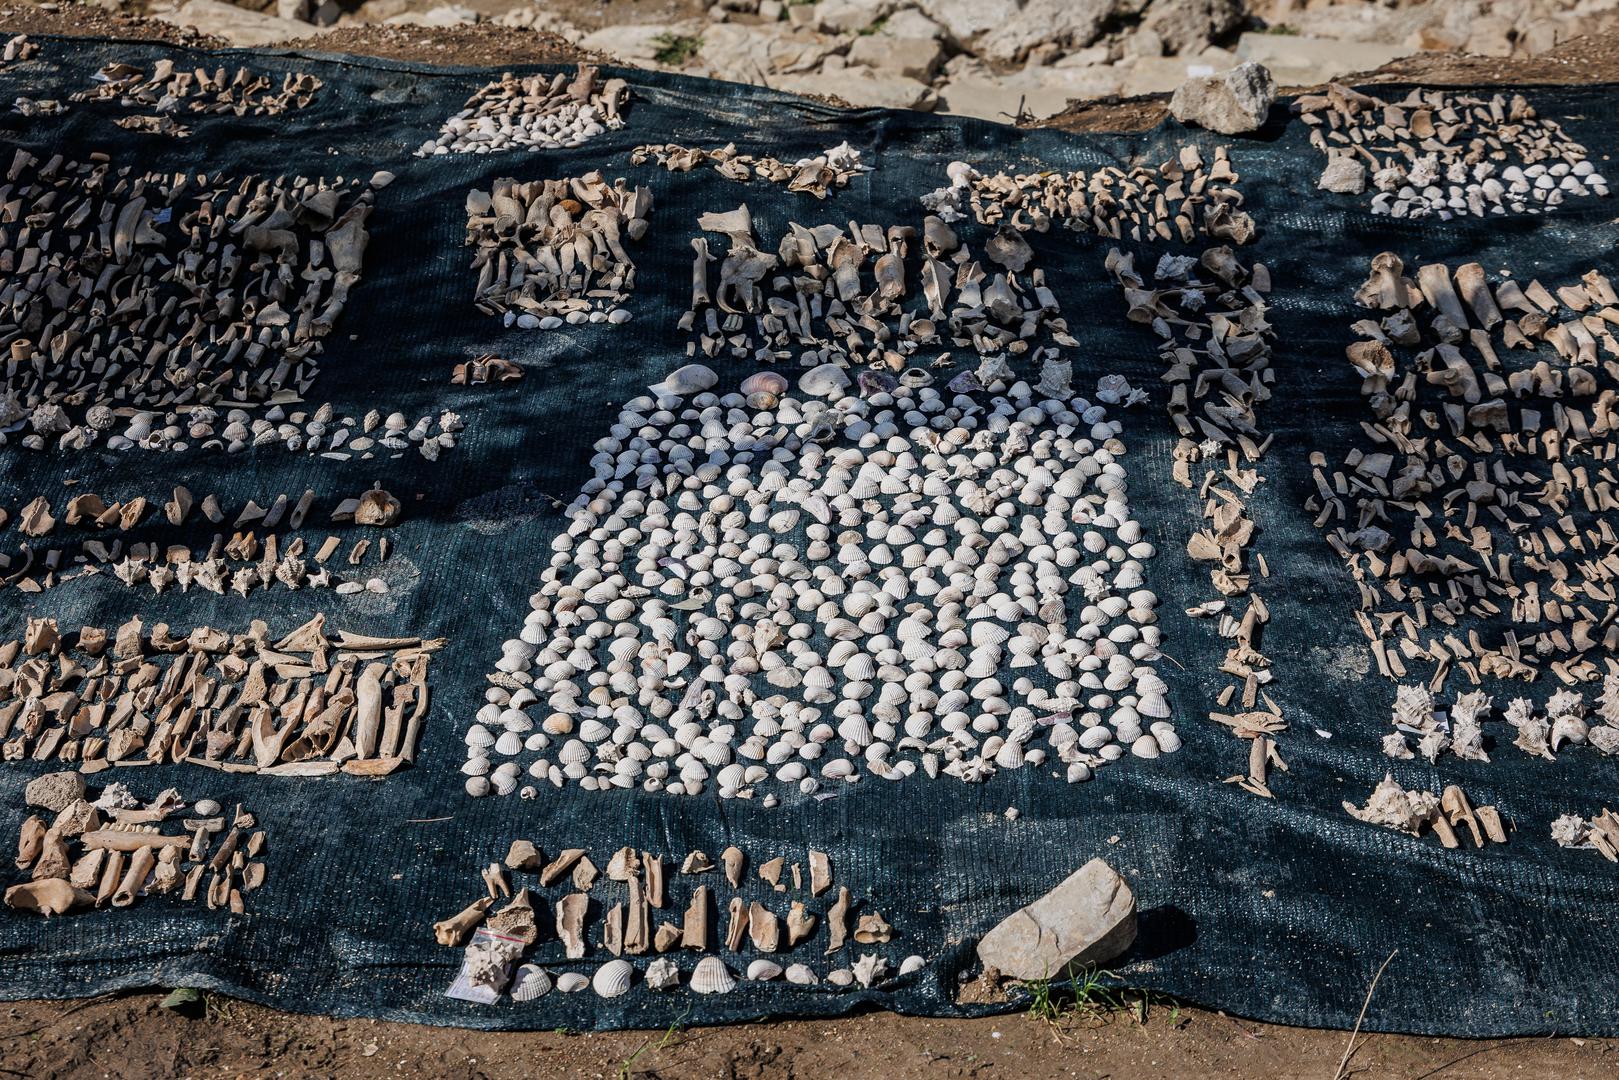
1349	1051
428	820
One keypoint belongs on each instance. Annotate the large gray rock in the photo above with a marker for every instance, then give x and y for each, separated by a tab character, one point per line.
236	25
850	16
1232	103
913	57
1187	26
1069	24
1087	920
863	89
964	20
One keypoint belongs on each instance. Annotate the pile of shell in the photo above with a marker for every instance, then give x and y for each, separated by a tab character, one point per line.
533	111
133	294
1182	199
114	849
830	297
168	91
551	252
317	432
31	107
1566	720
1394	807
1437	153
1476	519
486	370
18	47
299	706
496	942
1600	834
758	586
828	171
257	564
1209	314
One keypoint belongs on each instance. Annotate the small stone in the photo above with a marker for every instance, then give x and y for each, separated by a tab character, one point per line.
1343	175
1088	919
1232	103
54	791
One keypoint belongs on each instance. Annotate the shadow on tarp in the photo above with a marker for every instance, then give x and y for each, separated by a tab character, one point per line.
1275	910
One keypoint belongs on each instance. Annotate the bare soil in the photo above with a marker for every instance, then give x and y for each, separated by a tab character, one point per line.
132	1036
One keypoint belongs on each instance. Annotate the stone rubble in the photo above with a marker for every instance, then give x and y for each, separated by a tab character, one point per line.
993	59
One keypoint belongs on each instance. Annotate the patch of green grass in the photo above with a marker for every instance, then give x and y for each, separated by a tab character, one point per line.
1281	30
676	1028
676	49
1091	995
875	28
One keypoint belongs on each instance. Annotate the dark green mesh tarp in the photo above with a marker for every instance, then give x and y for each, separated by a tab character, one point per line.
1277	910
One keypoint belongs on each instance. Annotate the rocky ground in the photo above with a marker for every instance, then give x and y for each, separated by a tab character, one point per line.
996	59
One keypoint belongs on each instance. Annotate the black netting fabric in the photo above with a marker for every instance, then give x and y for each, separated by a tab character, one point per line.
1276	910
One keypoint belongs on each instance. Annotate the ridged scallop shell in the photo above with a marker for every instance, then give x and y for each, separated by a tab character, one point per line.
1153	705
860	667
479	737
571	982
711	976
763	970
530	982
613	978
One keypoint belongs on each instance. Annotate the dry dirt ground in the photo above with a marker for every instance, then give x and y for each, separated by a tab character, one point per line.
132	1036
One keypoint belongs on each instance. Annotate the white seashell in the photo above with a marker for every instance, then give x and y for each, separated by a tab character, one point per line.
571	982
530	982
477	786
840	977
763	970
712	977
613	978
801	975
479	737
691	379
912	963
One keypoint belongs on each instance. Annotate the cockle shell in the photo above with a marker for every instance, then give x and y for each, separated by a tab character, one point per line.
571	982
711	976
530	982
613	978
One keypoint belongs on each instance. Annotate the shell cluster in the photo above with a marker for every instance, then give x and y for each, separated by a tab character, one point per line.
1475	516
1209	315
1181	199
1564	721
830	296
1416	812
243	564
1600	834
637	884
117	848
1441	154
551	252
819	175
302	705
169	91
538	112
811	592
129	294
316	432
